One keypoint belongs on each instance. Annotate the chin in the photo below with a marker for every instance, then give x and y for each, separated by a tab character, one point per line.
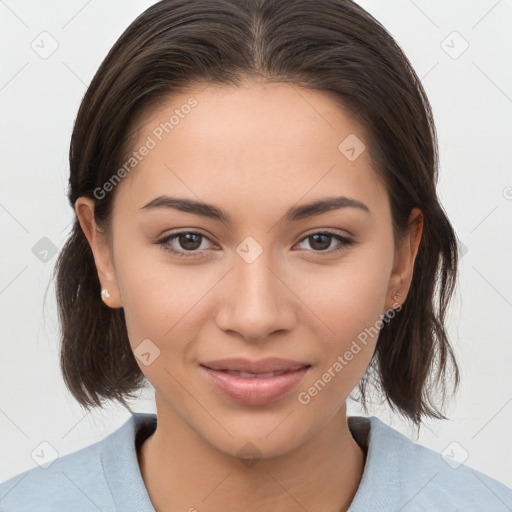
251	440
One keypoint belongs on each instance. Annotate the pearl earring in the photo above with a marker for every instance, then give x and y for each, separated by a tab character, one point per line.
105	293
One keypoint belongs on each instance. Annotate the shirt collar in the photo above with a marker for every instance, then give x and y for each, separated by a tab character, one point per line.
123	476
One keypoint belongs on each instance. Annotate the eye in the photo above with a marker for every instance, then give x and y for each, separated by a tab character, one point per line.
321	241
187	241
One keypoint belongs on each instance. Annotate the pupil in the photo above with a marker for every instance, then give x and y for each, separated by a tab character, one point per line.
189	240
315	238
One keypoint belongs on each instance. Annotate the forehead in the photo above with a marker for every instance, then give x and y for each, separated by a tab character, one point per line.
260	142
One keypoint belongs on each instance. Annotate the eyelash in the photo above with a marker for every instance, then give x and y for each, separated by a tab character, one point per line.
163	243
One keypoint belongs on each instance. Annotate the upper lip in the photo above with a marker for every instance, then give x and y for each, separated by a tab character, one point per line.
271	364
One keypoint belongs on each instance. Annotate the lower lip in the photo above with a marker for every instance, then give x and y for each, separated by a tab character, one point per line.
254	390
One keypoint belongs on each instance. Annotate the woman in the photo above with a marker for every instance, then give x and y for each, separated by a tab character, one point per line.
257	233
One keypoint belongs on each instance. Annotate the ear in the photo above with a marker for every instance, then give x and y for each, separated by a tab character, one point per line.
84	208
405	255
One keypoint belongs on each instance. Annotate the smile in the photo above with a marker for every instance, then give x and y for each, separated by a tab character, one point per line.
254	388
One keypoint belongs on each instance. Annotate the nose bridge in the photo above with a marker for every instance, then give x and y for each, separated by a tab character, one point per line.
256	303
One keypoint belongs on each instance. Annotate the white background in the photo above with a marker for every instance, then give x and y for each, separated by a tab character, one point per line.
472	100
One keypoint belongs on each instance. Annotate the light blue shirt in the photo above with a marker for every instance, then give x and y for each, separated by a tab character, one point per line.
399	476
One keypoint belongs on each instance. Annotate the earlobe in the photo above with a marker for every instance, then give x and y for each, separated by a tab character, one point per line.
84	209
415	230
401	277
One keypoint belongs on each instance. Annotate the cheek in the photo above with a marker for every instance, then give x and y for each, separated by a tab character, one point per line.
351	323
346	299
168	303
161	301
346	306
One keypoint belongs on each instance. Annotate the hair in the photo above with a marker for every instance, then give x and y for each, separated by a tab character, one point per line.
325	45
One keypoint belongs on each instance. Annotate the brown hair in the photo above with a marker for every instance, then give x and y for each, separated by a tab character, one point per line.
327	45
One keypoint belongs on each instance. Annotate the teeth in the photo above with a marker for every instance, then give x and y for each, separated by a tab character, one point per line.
251	375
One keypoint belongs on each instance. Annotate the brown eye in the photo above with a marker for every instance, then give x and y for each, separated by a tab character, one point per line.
187	243
321	241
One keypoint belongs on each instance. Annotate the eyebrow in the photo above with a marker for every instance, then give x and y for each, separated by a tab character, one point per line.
295	213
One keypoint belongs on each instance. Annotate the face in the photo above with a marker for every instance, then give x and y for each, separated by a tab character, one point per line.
269	279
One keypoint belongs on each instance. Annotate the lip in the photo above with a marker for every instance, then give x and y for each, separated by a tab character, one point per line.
270	364
254	390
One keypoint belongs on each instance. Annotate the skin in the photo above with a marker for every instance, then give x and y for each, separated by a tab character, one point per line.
254	151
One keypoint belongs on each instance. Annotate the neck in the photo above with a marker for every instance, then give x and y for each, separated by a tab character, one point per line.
182	471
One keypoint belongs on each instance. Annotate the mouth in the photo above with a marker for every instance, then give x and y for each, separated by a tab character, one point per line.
265	367
249	375
254	382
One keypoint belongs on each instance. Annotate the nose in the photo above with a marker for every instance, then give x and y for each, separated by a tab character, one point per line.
256	301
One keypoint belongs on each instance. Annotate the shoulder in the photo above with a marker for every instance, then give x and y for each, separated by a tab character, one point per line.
416	478
436	481
83	479
75	478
